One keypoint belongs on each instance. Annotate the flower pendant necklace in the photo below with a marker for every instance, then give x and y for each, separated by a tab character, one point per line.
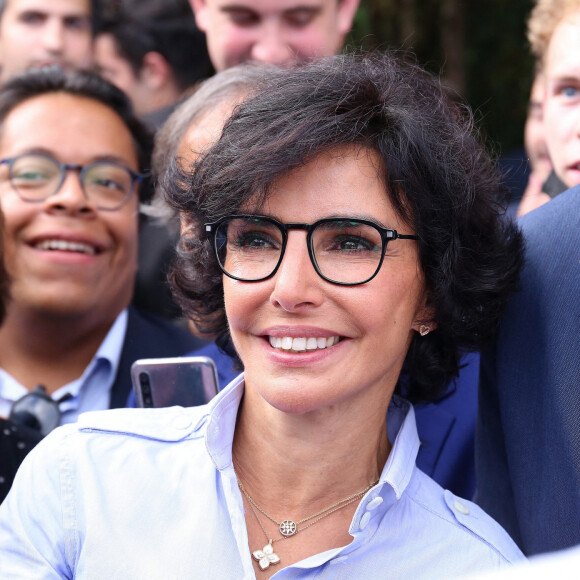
288	528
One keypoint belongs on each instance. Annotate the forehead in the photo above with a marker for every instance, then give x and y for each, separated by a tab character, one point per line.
74	128
207	128
563	55
56	7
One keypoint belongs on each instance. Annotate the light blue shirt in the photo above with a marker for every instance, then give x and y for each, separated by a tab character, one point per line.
91	391
152	494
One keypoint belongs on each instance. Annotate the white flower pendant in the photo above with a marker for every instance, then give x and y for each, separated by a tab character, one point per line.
266	556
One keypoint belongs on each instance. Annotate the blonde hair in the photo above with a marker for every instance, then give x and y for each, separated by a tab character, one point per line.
544	18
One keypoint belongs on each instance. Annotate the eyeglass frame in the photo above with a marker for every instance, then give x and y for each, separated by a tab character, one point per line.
82	169
387	235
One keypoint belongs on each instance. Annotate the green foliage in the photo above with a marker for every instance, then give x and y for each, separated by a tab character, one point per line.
497	66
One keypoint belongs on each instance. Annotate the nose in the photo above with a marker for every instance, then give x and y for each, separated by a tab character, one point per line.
297	286
271	47
53	36
70	199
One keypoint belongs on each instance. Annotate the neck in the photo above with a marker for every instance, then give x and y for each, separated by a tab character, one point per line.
37	349
285	461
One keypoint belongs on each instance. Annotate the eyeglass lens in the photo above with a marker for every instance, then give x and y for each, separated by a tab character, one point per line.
345	251
36	177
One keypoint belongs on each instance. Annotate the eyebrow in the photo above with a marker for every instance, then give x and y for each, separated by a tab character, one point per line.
43	12
44	151
353	216
244	8
565	77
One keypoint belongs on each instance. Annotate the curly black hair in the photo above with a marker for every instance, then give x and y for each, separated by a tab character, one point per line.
437	175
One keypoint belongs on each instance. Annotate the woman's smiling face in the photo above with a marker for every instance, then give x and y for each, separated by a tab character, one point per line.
366	329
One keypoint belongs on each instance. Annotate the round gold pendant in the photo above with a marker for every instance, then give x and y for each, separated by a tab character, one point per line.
287	528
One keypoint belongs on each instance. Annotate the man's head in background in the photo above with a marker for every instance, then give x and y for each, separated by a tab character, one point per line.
274	31
153	51
554	35
39	32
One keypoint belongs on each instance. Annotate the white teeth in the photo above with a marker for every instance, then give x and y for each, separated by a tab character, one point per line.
302	343
65	246
299	344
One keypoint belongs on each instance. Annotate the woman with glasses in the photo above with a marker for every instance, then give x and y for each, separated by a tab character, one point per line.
344	239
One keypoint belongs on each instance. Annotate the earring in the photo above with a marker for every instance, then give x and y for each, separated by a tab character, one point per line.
424	329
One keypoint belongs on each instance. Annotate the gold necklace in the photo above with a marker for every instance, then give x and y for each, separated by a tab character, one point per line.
288	528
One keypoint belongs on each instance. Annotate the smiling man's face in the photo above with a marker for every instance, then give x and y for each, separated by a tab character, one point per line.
66	257
281	32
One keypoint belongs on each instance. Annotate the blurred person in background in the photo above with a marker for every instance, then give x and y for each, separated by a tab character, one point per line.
36	33
281	32
536	150
528	448
153	51
554	35
72	159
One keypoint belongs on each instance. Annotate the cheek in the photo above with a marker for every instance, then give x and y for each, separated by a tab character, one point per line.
243	304
557	122
125	231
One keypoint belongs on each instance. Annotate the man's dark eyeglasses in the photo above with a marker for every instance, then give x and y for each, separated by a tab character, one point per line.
343	251
35	177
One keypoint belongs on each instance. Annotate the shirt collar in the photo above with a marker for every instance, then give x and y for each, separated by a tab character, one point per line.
109	352
404	437
401	425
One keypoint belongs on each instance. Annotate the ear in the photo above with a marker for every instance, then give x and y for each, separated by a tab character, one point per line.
155	71
346	12
199	8
424	320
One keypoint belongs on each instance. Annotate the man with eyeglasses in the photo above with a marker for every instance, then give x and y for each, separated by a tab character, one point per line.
72	163
36	33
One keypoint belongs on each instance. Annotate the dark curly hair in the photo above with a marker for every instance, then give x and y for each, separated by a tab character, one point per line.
436	173
53	79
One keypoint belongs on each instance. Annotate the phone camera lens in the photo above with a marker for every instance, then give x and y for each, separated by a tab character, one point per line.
146	389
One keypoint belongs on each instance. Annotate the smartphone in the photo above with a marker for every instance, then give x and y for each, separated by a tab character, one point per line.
164	382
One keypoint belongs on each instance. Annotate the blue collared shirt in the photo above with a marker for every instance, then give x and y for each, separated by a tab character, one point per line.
91	391
152	494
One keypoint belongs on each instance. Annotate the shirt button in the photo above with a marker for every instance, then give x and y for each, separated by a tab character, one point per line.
374	503
364	521
182	422
461	507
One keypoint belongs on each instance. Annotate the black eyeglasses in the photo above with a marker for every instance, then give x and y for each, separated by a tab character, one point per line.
35	177
343	251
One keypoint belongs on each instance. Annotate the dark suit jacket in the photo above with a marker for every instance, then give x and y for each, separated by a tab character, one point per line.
528	431
147	336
